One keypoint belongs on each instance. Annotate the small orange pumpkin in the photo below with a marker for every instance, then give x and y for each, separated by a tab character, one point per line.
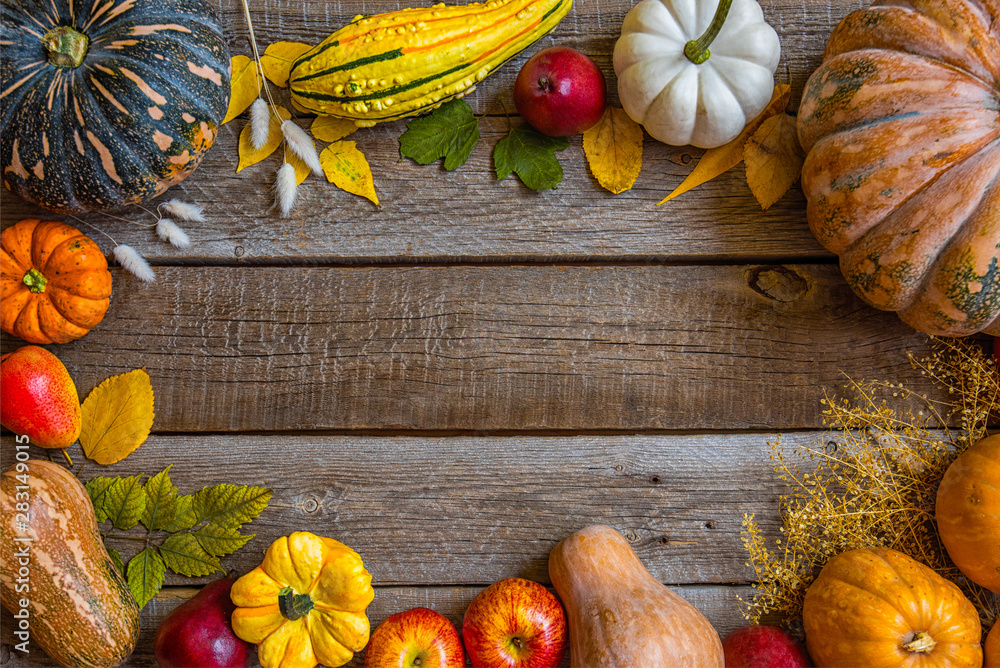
878	607
968	512
54	282
991	648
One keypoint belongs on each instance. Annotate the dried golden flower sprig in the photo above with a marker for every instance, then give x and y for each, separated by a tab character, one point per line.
874	480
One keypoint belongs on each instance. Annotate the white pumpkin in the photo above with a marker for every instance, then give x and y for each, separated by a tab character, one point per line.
680	101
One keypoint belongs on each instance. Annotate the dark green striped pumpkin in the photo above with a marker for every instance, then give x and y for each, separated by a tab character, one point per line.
105	103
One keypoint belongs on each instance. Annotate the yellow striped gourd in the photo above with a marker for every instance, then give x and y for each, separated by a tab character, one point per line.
379	68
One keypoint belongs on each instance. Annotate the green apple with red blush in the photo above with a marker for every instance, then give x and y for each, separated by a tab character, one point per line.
515	623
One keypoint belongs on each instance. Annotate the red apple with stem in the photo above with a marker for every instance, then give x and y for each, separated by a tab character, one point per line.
515	623
417	638
560	92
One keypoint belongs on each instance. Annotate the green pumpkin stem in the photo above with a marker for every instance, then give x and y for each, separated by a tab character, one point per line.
66	46
35	281
697	49
293	606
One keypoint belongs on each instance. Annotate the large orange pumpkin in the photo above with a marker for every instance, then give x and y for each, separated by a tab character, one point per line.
54	282
968	512
991	648
901	124
879	608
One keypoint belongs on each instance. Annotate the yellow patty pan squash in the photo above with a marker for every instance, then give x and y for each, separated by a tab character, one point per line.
305	604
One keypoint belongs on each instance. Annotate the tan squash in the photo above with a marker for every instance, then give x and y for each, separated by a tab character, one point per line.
876	607
80	611
619	614
968	512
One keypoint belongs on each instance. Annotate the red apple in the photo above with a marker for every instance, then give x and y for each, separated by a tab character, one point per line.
763	647
515	623
417	638
198	633
560	92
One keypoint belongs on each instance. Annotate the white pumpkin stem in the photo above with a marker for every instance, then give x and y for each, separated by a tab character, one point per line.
697	49
922	643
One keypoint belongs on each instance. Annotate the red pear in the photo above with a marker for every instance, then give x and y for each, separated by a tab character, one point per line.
38	398
198	633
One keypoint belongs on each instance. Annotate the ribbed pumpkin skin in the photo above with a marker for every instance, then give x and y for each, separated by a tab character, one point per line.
81	611
407	62
78	288
135	118
991	648
865	605
901	124
968	512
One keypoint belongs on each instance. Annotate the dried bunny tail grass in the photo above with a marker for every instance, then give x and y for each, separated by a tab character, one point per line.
260	123
301	145
133	263
285	188
168	231
184	211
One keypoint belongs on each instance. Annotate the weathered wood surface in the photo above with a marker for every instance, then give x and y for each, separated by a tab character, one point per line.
429	215
492	348
473	510
719	604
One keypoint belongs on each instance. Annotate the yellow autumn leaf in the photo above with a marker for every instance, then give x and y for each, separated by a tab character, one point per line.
301	168
774	158
346	167
614	150
250	155
278	58
244	86
331	128
117	417
723	158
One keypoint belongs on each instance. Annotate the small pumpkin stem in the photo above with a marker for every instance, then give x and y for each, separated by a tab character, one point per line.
34	280
697	49
293	606
66	46
922	643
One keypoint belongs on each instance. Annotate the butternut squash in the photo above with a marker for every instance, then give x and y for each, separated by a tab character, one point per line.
619	614
64	585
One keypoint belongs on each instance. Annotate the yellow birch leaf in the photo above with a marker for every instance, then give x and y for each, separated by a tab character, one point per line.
117	417
346	167
614	150
244	86
277	61
774	159
331	128
250	155
301	168
723	158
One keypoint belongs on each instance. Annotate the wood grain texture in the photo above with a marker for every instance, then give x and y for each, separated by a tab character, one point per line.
718	603
473	510
492	348
429	215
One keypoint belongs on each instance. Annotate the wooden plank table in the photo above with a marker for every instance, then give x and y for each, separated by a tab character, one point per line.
455	381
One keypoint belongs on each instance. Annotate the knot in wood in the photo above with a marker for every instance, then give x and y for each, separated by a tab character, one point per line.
778	283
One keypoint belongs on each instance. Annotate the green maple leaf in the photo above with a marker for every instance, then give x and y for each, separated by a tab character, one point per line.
220	541
451	132
97	489
184	555
531	155
146	572
161	501
230	505
125	501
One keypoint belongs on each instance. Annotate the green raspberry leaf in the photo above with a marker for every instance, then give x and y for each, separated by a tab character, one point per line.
184	515
146	573
184	555
451	132
230	505
531	155
220	541
97	489
125	501
161	501
116	557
